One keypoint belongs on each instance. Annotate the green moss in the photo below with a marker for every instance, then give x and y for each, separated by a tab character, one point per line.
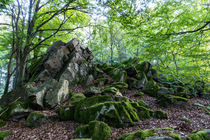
167	99
139	94
151	88
138	135
175	136
142	103
143	134
3	134
77	97
185	120
66	113
102	81
111	91
2	123
6	111
33	118
144	112
96	130
160	114
120	85
115	113
200	135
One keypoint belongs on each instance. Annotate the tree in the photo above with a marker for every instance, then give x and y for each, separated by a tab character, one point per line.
34	23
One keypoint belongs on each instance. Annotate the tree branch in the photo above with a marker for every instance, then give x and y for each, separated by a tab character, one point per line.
186	32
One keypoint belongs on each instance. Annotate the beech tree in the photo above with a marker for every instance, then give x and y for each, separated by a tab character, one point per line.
32	24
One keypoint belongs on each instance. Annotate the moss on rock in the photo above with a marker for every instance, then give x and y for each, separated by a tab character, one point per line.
33	119
120	85
96	130
139	94
167	99
200	135
111	91
151	88
159	133
77	97
160	114
66	113
3	134
92	91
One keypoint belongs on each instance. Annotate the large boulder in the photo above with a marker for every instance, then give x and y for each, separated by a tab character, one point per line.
116	111
48	95
63	66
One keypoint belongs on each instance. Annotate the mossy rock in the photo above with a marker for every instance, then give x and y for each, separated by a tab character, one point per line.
166	100
102	81
111	91
3	134
151	88
96	130
119	75
200	135
14	109
34	119
159	114
92	91
144	67
140	134
115	113
139	94
66	113
120	85
151	134
2	123
77	97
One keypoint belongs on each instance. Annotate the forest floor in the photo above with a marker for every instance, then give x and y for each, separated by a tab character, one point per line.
66	130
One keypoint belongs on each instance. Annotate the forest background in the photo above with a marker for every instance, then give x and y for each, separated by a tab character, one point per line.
171	34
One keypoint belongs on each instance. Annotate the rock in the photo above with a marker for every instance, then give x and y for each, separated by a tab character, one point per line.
119	75
131	71
15	111
111	91
164	91
66	113
139	94
160	114
96	130
151	88
77	97
98	72
50	94
166	100
102	81
144	67
89	81
34	119
200	135
151	134
57	94
3	134
120	85
185	120
119	109
160	138
92	91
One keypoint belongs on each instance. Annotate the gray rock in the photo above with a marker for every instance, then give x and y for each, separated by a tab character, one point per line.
51	94
159	138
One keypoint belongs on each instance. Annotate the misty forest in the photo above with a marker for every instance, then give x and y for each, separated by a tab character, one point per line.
104	70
